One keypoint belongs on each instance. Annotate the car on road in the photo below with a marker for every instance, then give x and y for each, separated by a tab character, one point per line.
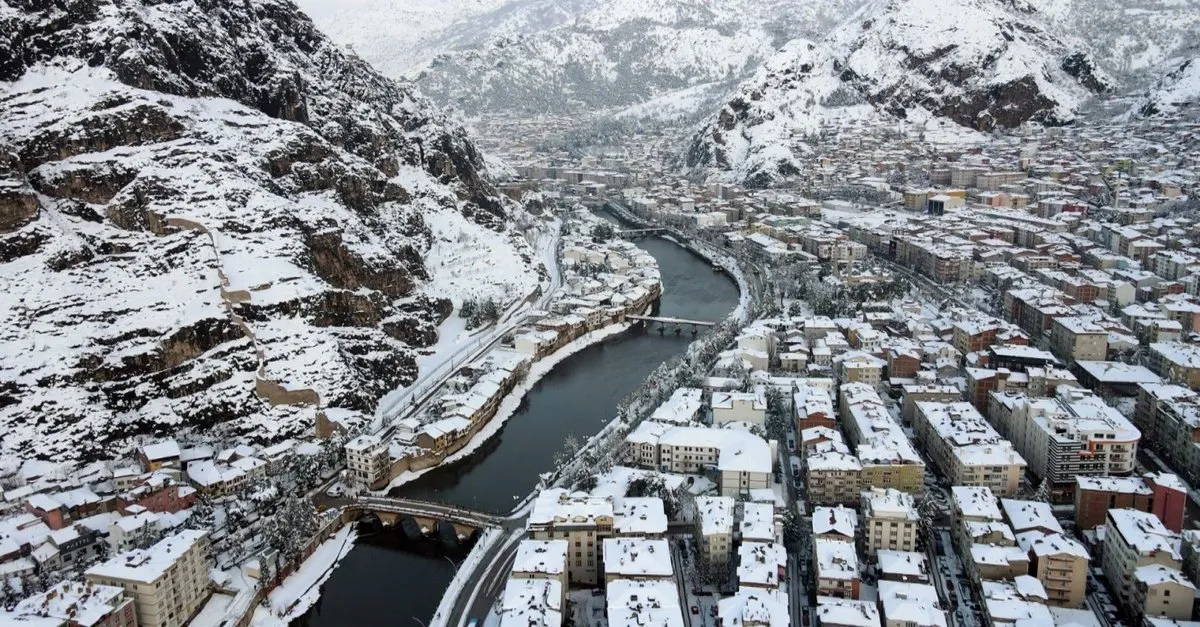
335	491
695	610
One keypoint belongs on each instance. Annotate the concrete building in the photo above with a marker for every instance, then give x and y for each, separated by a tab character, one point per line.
890	520
714	528
74	604
1176	362
748	407
1133	540
367	460
835	567
582	521
1061	564
1162	592
968	450
740	460
168	581
1078	339
1076	433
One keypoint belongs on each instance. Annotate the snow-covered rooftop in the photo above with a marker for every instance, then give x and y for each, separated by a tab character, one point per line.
148	565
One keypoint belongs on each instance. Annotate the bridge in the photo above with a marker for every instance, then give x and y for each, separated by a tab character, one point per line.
675	321
636	233
427	512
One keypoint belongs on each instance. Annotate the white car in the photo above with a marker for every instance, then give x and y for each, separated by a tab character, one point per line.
335	491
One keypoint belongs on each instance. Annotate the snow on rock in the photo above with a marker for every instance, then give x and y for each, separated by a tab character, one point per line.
550	55
1178	87
1129	36
974	64
212	217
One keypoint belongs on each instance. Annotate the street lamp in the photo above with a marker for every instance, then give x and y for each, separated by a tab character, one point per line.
447	558
418	621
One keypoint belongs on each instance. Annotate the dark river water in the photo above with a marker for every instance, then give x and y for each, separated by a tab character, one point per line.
387	580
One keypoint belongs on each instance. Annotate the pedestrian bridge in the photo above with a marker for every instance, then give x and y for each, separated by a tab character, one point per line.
675	321
395	508
636	233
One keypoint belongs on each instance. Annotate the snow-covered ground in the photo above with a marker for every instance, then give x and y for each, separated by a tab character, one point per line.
301	590
488	539
510	404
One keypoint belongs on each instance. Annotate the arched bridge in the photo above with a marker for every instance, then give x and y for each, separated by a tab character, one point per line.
636	233
429	510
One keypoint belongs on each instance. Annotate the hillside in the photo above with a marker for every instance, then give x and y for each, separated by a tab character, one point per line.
968	64
552	56
211	218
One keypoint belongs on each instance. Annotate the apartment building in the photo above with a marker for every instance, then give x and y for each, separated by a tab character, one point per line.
367	460
714	529
168	581
1176	362
966	448
1171	414
544	560
74	603
1161	494
1078	339
741	459
835	566
833	477
1076	433
583	521
1061	564
1135	539
890	520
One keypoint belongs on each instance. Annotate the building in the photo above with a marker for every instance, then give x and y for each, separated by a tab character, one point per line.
835	612
543	559
637	559
1176	362
890	520
740	460
835	567
531	602
1076	433
1061	564
583	521
748	407
168	581
714	528
968	450
1162	592
643	604
833	477
762	565
1094	496
753	607
367	460
74	604
1078	339
1135	539
906	566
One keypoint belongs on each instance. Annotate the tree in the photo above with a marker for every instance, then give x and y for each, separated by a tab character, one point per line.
603	232
794	529
777	416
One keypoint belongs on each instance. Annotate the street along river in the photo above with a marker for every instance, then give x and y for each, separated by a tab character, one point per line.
389	580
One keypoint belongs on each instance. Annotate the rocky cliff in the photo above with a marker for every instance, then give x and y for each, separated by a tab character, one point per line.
974	64
212	218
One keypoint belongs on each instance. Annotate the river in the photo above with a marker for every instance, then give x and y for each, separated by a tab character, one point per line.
386	580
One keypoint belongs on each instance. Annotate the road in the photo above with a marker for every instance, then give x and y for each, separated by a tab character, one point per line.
428	383
485	584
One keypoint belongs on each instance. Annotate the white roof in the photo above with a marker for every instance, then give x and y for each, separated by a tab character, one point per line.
682	407
1143	531
834	611
834	520
84	603
147	565
547	557
1025	515
915	603
640	515
755	606
835	559
643	604
560	507
1054	544
166	449
531	603
1157	574
758	522
637	557
976	502
760	563
1122	485
716	514
1071	617
889	503
1118	372
902	563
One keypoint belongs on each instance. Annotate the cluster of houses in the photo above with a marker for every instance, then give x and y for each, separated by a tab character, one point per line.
115	535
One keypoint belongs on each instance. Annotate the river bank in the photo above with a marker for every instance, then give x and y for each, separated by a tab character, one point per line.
576	397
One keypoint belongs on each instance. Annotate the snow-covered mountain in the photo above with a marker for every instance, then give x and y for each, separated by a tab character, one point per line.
209	215
1178	86
1128	37
555	55
974	64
